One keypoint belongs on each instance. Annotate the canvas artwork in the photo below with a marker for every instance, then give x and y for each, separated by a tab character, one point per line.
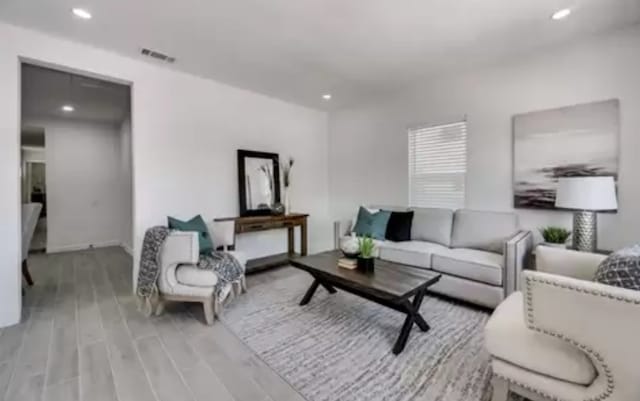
574	141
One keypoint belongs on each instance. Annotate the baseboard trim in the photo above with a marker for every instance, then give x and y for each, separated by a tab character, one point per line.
127	248
81	247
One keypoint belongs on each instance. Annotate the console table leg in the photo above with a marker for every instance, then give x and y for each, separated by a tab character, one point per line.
303	238
307	296
290	241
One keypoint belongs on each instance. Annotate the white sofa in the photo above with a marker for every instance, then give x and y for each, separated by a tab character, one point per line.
181	280
480	254
565	337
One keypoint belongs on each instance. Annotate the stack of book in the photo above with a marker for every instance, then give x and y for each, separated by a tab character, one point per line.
347	263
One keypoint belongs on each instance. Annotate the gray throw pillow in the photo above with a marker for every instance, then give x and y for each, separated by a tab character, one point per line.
621	269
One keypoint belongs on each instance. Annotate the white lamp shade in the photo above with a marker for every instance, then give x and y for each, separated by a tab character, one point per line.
586	193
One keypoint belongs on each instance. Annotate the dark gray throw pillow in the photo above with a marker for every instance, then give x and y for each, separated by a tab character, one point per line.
399	226
621	269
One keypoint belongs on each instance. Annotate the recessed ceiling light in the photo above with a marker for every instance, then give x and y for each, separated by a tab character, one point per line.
81	13
326	97
561	14
67	108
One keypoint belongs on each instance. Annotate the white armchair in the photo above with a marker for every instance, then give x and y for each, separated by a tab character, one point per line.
566	337
181	280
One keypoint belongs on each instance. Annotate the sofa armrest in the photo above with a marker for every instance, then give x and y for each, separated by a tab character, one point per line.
340	229
516	254
601	320
566	262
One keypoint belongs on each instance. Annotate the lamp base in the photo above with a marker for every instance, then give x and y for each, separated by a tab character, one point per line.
585	231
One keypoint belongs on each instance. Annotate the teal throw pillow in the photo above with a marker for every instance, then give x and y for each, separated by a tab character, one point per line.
372	224
198	225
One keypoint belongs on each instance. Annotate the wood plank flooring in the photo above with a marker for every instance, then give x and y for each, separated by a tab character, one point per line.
82	338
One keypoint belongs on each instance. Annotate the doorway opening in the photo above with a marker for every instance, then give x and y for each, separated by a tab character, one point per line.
76	161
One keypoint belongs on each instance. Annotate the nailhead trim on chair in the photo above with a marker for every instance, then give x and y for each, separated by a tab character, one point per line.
529	388
530	322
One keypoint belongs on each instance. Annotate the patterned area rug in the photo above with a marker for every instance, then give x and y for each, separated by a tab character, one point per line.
338	347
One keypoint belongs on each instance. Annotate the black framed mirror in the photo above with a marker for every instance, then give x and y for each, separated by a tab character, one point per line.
258	182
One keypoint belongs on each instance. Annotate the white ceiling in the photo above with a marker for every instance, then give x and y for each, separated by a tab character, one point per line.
45	91
299	49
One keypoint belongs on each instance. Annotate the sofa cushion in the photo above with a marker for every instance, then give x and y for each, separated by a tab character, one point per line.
374	209
468	290
354	219
399	226
485	267
483	230
413	253
432	225
372	224
192	276
508	338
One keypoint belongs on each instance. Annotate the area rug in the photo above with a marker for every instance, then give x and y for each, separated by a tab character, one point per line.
338	347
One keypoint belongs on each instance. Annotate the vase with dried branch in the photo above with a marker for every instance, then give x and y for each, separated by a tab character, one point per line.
267	171
286	181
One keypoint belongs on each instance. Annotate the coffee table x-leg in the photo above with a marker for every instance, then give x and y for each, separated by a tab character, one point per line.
411	309
312	290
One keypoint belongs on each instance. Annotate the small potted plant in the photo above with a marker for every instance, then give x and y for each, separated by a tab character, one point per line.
555	236
365	258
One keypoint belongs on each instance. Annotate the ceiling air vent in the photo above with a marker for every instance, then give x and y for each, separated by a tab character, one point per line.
157	55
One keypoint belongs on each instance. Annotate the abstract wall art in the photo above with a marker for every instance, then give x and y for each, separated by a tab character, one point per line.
574	141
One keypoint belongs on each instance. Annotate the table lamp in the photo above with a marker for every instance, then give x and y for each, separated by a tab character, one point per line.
586	196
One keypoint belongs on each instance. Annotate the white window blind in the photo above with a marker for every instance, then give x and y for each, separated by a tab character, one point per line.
438	165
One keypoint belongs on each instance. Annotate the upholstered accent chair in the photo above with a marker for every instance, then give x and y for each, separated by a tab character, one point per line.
565	337
181	280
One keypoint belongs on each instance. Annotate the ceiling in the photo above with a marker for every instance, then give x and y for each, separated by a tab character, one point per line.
45	91
298	50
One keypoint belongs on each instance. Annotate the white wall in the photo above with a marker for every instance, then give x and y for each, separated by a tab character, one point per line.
126	185
84	205
185	134
368	144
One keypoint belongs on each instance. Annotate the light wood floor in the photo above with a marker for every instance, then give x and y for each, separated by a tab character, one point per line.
82	338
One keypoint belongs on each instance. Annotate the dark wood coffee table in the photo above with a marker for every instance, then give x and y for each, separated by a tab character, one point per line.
391	285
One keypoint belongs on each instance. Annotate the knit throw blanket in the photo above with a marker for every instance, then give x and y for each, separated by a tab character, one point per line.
225	265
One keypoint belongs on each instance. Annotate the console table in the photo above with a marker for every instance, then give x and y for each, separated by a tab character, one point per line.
251	224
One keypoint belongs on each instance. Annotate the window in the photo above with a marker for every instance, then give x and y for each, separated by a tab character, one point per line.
438	165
